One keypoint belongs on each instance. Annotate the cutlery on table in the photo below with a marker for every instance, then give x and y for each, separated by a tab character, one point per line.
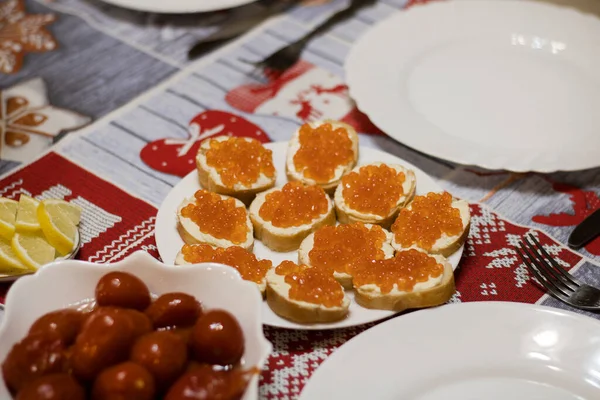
289	55
238	27
587	230
559	283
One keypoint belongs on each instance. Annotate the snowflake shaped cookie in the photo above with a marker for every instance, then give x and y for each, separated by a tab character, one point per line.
22	33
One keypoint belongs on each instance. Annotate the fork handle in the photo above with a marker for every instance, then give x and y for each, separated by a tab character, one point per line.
334	19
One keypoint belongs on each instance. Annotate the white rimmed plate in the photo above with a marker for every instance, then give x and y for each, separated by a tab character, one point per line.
501	84
471	351
67	283
178	6
169	242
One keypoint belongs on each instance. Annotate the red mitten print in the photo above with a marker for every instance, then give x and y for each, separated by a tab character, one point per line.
584	203
177	156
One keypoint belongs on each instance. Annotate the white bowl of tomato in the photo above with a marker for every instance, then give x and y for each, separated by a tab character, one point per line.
135	329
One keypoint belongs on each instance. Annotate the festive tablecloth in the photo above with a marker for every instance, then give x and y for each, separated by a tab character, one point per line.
64	63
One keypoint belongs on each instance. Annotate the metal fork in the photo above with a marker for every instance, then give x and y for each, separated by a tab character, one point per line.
286	57
559	283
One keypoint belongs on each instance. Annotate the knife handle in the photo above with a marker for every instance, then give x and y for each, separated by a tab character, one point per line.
587	230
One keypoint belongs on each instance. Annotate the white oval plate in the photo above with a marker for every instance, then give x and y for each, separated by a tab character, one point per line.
68	283
501	84
178	6
169	242
470	351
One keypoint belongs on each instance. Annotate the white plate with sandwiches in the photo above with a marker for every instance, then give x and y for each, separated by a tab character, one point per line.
262	239
178	6
500	84
468	351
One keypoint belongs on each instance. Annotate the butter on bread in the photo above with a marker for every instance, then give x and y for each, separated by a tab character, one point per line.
191	234
285	239
211	180
446	245
344	278
279	301
180	259
261	285
433	292
294	145
347	215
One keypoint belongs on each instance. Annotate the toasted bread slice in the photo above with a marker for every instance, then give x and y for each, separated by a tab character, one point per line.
246	263
433	292
446	245
211	180
285	239
278	299
344	278
293	174
347	215
191	234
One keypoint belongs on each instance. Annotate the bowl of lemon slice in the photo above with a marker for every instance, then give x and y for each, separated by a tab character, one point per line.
34	233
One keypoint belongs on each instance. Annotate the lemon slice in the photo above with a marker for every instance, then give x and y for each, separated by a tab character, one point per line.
70	210
8	210
9	261
32	249
57	225
27	220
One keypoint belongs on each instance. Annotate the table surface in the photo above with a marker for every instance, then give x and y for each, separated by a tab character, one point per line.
128	72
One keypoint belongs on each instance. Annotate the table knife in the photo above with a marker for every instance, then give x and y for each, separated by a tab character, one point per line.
587	230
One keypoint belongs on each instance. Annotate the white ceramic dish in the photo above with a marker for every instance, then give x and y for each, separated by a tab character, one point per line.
14	277
178	6
471	351
65	283
501	84
169	242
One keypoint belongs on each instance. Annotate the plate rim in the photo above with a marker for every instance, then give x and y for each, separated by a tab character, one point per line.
187	6
162	219
359	92
396	324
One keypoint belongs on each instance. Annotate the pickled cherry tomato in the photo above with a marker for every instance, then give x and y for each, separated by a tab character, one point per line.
105	340
53	387
121	289
140	321
35	356
217	338
126	381
163	354
63	323
204	383
174	310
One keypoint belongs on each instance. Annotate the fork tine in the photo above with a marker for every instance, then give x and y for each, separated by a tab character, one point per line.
544	267
551	291
555	292
256	72
556	265
283	59
550	279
